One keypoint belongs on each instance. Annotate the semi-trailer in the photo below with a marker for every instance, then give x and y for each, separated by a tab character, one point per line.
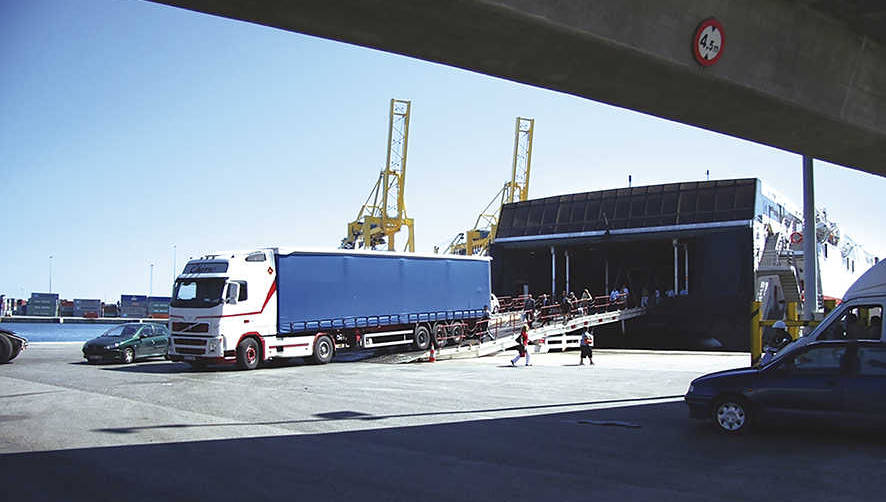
247	307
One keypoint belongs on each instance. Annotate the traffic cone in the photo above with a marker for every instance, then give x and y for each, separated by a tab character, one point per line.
433	357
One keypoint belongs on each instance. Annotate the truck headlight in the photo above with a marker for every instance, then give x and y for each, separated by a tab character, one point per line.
216	343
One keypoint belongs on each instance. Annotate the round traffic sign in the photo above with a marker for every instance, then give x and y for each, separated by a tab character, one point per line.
707	45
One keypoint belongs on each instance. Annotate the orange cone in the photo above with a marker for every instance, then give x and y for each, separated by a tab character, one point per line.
433	357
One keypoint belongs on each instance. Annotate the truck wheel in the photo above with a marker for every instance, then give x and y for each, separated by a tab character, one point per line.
421	339
440	334
457	333
247	354
324	349
5	349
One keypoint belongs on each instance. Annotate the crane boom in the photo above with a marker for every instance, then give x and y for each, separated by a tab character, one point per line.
477	240
384	212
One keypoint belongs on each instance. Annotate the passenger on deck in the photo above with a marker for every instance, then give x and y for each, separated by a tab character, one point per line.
529	310
644	297
625	295
613	299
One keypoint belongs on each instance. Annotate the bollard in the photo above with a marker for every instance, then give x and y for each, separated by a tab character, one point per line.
756	333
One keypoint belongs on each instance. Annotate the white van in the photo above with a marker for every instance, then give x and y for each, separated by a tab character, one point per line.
858	317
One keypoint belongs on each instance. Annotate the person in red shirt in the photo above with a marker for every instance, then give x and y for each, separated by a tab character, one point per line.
522	346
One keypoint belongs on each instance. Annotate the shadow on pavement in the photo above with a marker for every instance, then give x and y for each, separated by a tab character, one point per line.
541	457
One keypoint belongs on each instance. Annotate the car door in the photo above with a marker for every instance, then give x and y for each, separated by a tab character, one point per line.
143	346
808	381
866	388
161	340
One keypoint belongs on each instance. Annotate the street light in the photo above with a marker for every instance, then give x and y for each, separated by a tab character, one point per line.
50	273
151	282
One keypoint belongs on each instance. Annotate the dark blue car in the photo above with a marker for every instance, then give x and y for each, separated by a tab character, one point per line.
843	380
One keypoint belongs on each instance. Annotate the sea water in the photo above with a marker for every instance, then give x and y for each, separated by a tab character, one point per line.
45	332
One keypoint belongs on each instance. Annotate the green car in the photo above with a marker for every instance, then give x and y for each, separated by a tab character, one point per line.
127	342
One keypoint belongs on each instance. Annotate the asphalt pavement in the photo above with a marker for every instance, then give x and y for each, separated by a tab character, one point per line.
473	429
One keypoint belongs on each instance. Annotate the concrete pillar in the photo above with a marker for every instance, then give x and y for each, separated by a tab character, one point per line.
686	267
567	270
810	249
676	267
553	273
606	276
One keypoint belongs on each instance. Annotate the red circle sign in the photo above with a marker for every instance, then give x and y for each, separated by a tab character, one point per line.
708	42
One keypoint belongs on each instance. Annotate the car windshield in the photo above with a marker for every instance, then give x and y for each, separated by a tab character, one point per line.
197	293
124	330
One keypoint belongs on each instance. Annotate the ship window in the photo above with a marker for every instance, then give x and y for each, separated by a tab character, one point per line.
824	249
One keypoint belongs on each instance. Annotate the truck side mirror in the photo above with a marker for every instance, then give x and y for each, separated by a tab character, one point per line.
233	292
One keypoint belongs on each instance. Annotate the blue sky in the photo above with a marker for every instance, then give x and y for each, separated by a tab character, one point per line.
127	128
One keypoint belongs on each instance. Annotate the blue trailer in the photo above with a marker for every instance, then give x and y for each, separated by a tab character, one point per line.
363	297
251	306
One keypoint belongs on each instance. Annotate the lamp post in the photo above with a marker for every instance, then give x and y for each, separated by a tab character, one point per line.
50	273
173	263
151	282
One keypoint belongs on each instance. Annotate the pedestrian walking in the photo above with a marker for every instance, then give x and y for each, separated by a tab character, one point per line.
522	346
587	348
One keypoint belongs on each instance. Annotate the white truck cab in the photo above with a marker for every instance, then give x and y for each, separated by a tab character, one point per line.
219	301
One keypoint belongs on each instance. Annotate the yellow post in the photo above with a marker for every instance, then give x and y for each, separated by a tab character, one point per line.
756	333
829	305
792	315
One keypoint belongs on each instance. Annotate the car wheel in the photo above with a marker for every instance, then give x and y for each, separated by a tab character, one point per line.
421	339
324	349
5	349
128	355
247	354
732	415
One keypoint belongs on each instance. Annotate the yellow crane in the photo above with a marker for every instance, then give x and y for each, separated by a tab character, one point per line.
384	212
477	240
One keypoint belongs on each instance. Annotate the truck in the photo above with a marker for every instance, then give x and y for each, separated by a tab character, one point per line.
248	307
11	345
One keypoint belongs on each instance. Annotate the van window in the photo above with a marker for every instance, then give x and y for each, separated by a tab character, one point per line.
862	322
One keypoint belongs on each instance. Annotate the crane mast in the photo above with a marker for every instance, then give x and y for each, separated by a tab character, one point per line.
477	240
384	212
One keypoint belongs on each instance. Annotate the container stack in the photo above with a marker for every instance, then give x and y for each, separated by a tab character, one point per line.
87	308
158	307
134	306
43	304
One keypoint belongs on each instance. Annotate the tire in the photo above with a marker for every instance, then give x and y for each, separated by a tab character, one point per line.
457	333
324	349
732	415
248	354
5	349
15	352
128	356
421	338
441	335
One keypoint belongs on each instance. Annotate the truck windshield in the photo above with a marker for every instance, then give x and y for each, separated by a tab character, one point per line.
197	293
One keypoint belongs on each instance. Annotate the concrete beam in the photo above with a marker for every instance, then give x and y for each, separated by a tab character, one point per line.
791	76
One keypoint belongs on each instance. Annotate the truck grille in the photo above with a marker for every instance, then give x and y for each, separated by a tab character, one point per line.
196	352
189	341
189	327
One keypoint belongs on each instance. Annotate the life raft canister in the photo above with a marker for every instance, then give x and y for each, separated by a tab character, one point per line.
796	238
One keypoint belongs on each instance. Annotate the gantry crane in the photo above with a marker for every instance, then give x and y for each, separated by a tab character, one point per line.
384	212
477	240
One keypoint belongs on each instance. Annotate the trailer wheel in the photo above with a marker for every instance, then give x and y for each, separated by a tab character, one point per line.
457	333
440	334
5	349
324	349
247	354
421	339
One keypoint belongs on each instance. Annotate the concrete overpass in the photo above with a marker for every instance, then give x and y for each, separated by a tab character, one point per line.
807	76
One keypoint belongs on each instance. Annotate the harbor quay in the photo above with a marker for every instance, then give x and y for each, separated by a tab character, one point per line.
464	429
